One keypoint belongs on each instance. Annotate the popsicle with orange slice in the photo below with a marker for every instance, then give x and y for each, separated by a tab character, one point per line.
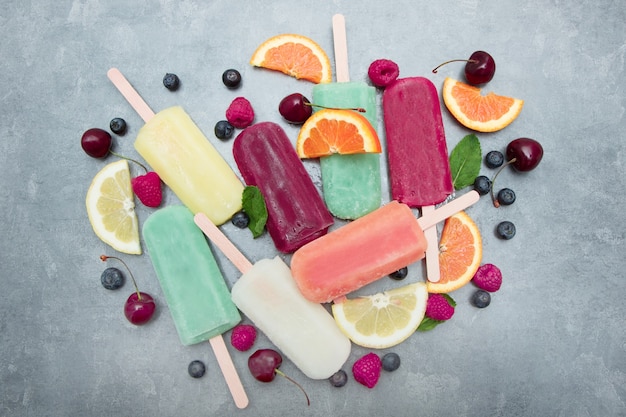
350	163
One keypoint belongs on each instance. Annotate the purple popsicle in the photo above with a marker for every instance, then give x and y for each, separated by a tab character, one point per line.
296	212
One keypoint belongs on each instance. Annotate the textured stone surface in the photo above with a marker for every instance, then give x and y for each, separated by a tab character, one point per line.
552	342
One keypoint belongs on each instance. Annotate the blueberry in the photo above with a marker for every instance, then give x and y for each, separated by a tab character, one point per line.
171	81
506	196
224	130
391	362
482	184
481	298
231	78
505	230
338	379
118	126
112	278
494	159
400	274
196	369
241	219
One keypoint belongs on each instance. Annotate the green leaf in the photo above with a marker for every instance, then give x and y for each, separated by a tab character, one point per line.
253	204
449	299
428	324
465	161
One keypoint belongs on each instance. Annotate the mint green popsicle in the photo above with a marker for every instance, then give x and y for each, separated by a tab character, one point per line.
194	287
351	183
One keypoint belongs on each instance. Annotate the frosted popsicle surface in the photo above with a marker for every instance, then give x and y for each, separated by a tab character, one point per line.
192	283
419	169
358	253
303	330
351	183
186	161
296	212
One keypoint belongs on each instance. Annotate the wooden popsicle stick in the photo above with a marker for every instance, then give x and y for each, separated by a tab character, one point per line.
447	210
130	94
221	241
228	370
432	250
340	40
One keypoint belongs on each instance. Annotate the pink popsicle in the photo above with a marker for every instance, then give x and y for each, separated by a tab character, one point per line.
296	212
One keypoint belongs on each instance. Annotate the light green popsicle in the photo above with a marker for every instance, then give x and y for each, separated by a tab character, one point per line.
351	183
194	287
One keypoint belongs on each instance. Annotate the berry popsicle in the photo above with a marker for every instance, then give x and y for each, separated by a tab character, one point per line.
267	159
180	153
367	249
266	292
351	183
194	288
419	168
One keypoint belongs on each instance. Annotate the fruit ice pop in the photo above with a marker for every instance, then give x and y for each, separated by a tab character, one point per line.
366	249
266	292
195	291
419	168
177	150
351	183
267	159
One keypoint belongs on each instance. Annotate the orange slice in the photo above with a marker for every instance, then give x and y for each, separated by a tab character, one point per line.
330	131
294	55
460	253
483	113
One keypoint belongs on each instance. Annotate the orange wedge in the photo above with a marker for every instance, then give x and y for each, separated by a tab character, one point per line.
294	55
482	113
460	253
330	131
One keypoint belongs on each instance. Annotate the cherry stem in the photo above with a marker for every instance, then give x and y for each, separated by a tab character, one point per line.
128	159
453	60
359	109
281	373
104	258
496	203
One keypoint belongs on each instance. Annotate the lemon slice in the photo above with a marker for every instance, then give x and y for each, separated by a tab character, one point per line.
385	319
111	208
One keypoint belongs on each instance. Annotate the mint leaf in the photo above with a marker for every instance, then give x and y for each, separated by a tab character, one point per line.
449	299
253	204
428	324
465	161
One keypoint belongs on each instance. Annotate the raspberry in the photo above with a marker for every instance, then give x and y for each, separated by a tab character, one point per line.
439	307
366	370
240	113
242	337
383	72
147	188
488	277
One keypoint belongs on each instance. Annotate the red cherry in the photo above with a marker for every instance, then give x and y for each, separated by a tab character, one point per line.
295	108
479	68
264	364
524	154
139	308
96	142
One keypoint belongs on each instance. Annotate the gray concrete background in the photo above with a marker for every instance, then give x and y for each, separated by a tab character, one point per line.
552	343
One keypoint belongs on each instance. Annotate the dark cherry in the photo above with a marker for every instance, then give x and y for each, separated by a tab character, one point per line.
140	306
96	142
264	364
479	68
295	108
524	154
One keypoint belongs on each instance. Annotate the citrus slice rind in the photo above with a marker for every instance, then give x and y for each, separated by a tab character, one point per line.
294	55
460	253
482	113
111	208
331	131
382	320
